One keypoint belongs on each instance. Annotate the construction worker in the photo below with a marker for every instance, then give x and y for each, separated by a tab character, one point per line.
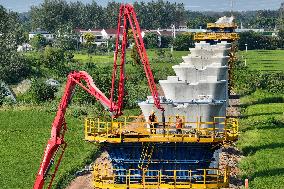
178	124
153	122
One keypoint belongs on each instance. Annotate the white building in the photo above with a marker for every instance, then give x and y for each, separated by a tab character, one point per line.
101	35
47	35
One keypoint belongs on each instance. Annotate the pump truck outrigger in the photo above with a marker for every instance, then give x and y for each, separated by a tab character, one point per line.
56	144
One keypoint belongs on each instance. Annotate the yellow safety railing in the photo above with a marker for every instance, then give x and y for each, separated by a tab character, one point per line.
219	128
221	25
216	36
159	178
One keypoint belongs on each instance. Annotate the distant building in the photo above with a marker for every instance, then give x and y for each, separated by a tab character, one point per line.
47	35
101	35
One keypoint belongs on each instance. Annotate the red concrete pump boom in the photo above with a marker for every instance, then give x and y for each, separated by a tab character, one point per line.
56	144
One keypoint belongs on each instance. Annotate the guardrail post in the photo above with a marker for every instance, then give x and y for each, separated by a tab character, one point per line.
160	178
198	125
107	128
143	177
225	129
112	124
120	131
214	129
204	176
175	177
226	174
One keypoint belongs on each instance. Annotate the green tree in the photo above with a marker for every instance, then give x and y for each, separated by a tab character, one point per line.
53	58
166	41
281	38
257	41
151	40
13	66
66	43
38	42
40	91
110	14
66	39
50	15
183	42
89	38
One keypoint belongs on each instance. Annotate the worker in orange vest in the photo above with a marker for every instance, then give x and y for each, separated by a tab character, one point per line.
178	124
153	122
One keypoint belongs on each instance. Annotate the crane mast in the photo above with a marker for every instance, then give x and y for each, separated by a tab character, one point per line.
56	145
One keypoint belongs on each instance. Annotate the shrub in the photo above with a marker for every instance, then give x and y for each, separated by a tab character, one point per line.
15	69
133	93
183	42
257	41
166	41
41	92
248	81
151	40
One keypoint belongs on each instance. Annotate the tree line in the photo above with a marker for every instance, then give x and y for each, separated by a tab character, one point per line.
52	15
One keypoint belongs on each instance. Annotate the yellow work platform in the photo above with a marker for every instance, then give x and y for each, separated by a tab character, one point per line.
221	25
221	130
164	179
216	36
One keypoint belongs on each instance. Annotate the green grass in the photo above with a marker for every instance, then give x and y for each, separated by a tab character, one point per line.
93	58
262	126
109	58
264	60
262	140
24	134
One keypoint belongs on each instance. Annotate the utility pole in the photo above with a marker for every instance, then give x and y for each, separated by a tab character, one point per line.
174	36
281	16
232	7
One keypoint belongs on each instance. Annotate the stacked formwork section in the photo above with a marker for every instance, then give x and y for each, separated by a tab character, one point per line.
136	155
199	88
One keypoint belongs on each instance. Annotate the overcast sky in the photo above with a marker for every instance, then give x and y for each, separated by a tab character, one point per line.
197	5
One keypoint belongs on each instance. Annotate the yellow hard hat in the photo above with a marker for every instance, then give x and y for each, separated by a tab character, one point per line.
152	112
177	115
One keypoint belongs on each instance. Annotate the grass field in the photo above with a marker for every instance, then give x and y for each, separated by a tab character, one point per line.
109	58
262	126
262	140
264	60
24	134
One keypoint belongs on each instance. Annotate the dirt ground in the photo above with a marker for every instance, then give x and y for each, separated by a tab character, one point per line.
81	182
230	155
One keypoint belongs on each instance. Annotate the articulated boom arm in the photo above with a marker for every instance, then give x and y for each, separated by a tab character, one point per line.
127	17
56	144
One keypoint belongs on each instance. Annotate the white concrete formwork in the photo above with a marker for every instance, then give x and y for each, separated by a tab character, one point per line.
220	51
200	62
199	88
179	91
190	111
190	74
